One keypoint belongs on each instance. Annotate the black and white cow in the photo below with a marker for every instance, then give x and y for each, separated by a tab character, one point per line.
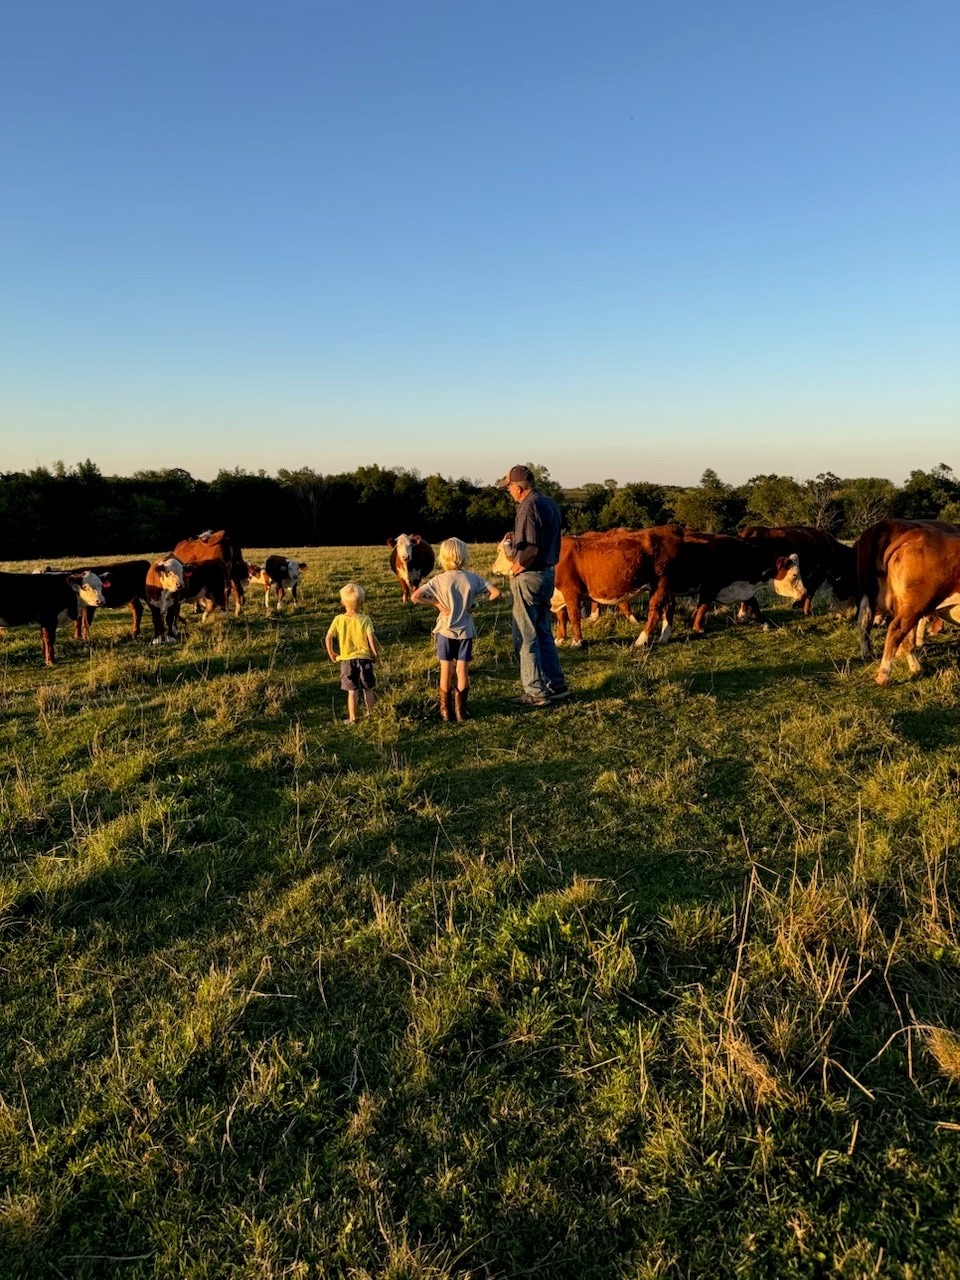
47	599
280	573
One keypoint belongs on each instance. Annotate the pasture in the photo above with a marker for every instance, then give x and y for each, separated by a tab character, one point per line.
661	981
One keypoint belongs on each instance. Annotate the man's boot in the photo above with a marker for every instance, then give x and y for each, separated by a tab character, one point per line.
444	704
460	704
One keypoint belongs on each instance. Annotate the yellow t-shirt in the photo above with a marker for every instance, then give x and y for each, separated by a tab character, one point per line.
350	631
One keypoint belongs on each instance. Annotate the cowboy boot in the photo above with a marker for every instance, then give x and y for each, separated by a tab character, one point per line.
460	704
444	704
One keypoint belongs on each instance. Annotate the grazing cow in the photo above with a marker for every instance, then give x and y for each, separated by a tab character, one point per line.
278	572
123	583
222	548
47	599
821	556
909	569
667	561
411	559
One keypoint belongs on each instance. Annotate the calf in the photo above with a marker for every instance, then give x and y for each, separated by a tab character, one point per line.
164	591
909	569
47	599
411	559
221	548
820	556
124	583
278	572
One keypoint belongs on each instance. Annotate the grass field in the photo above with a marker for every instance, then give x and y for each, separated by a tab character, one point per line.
663	981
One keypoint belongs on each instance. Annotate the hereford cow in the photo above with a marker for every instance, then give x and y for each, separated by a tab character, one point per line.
278	572
821	557
123	583
909	569
502	565
411	559
164	589
219	548
47	599
667	561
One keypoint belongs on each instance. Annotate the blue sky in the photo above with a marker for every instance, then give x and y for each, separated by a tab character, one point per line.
625	240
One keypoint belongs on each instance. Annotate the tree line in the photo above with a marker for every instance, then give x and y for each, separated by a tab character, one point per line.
66	511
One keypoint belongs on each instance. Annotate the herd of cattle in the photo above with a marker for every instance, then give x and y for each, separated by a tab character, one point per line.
904	571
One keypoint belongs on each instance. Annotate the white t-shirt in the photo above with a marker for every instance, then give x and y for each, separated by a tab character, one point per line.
455	591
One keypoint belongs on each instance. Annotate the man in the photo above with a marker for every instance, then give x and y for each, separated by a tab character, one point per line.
536	539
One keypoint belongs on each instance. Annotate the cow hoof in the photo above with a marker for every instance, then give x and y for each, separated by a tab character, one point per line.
576	644
765	627
882	678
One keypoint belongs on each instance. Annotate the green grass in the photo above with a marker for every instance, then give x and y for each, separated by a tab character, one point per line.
662	981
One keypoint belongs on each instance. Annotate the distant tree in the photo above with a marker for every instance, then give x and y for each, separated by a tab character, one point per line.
951	512
821	501
635	506
585	504
864	501
709	507
926	493
774	500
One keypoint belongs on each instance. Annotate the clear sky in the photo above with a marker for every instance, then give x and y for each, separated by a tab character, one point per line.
619	238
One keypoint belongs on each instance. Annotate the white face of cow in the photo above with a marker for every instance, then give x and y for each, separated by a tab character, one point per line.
404	550
293	571
170	574
787	581
506	553
90	590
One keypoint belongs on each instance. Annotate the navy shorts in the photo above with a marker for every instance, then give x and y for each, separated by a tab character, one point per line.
454	650
356	675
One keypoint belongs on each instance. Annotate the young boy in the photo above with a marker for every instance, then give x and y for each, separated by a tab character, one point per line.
452	594
356	650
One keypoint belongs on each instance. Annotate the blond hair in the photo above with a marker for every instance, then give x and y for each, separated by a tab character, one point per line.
453	554
352	593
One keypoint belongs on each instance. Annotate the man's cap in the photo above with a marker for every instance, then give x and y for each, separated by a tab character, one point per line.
516	475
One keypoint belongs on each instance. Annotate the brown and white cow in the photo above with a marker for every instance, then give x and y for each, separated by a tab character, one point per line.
821	557
217	547
667	561
278	572
47	599
502	565
164	587
411	559
909	569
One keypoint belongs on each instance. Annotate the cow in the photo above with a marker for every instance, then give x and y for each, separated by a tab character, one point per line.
821	557
219	547
502	565
667	561
411	559
909	569
123	583
47	599
164	589
279	572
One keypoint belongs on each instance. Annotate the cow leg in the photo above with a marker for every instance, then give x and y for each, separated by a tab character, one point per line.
136	608
700	615
159	625
627	612
749	611
48	631
573	601
864	623
280	594
561	617
238	596
660	599
900	634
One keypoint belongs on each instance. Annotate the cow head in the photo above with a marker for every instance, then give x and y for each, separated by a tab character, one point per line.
407	564
785	577
170	574
87	586
506	553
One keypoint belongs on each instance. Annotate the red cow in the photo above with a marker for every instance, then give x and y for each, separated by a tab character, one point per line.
411	559
667	561
47	599
909	569
821	557
219	548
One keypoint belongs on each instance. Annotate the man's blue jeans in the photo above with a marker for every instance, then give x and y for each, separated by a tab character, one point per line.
540	672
